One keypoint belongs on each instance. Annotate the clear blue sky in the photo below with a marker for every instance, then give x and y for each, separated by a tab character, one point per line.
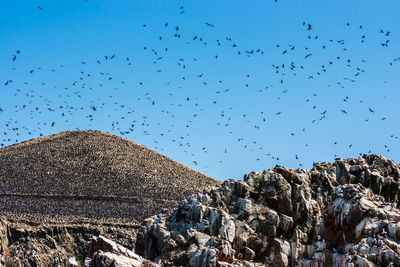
190	95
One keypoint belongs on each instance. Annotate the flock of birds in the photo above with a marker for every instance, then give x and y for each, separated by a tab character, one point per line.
181	112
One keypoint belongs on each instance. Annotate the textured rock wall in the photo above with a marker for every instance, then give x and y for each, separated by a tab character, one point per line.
337	214
106	253
28	243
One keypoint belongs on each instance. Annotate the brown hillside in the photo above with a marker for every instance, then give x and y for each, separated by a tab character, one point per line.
92	174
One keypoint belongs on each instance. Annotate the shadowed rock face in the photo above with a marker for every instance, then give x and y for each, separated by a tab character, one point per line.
92	174
32	243
337	214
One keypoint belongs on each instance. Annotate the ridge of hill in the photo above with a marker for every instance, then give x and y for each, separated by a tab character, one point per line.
92	174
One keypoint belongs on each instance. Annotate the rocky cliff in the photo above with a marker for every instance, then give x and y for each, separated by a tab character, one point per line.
27	241
336	214
343	213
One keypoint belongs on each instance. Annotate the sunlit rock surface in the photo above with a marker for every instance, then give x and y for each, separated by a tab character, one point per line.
336	214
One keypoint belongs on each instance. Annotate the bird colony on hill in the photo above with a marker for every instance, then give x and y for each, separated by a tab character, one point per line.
192	94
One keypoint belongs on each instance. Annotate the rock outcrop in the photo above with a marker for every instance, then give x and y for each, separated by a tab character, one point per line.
336	214
106	253
29	242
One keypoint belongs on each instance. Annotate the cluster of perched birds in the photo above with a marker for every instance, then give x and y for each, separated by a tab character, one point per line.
134	120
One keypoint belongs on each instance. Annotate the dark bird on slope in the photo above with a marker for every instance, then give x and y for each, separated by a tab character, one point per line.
309	27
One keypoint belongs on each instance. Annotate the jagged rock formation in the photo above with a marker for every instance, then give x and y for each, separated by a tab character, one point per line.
92	174
106	253
31	242
336	214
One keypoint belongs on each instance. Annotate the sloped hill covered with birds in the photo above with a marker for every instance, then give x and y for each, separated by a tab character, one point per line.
92	174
